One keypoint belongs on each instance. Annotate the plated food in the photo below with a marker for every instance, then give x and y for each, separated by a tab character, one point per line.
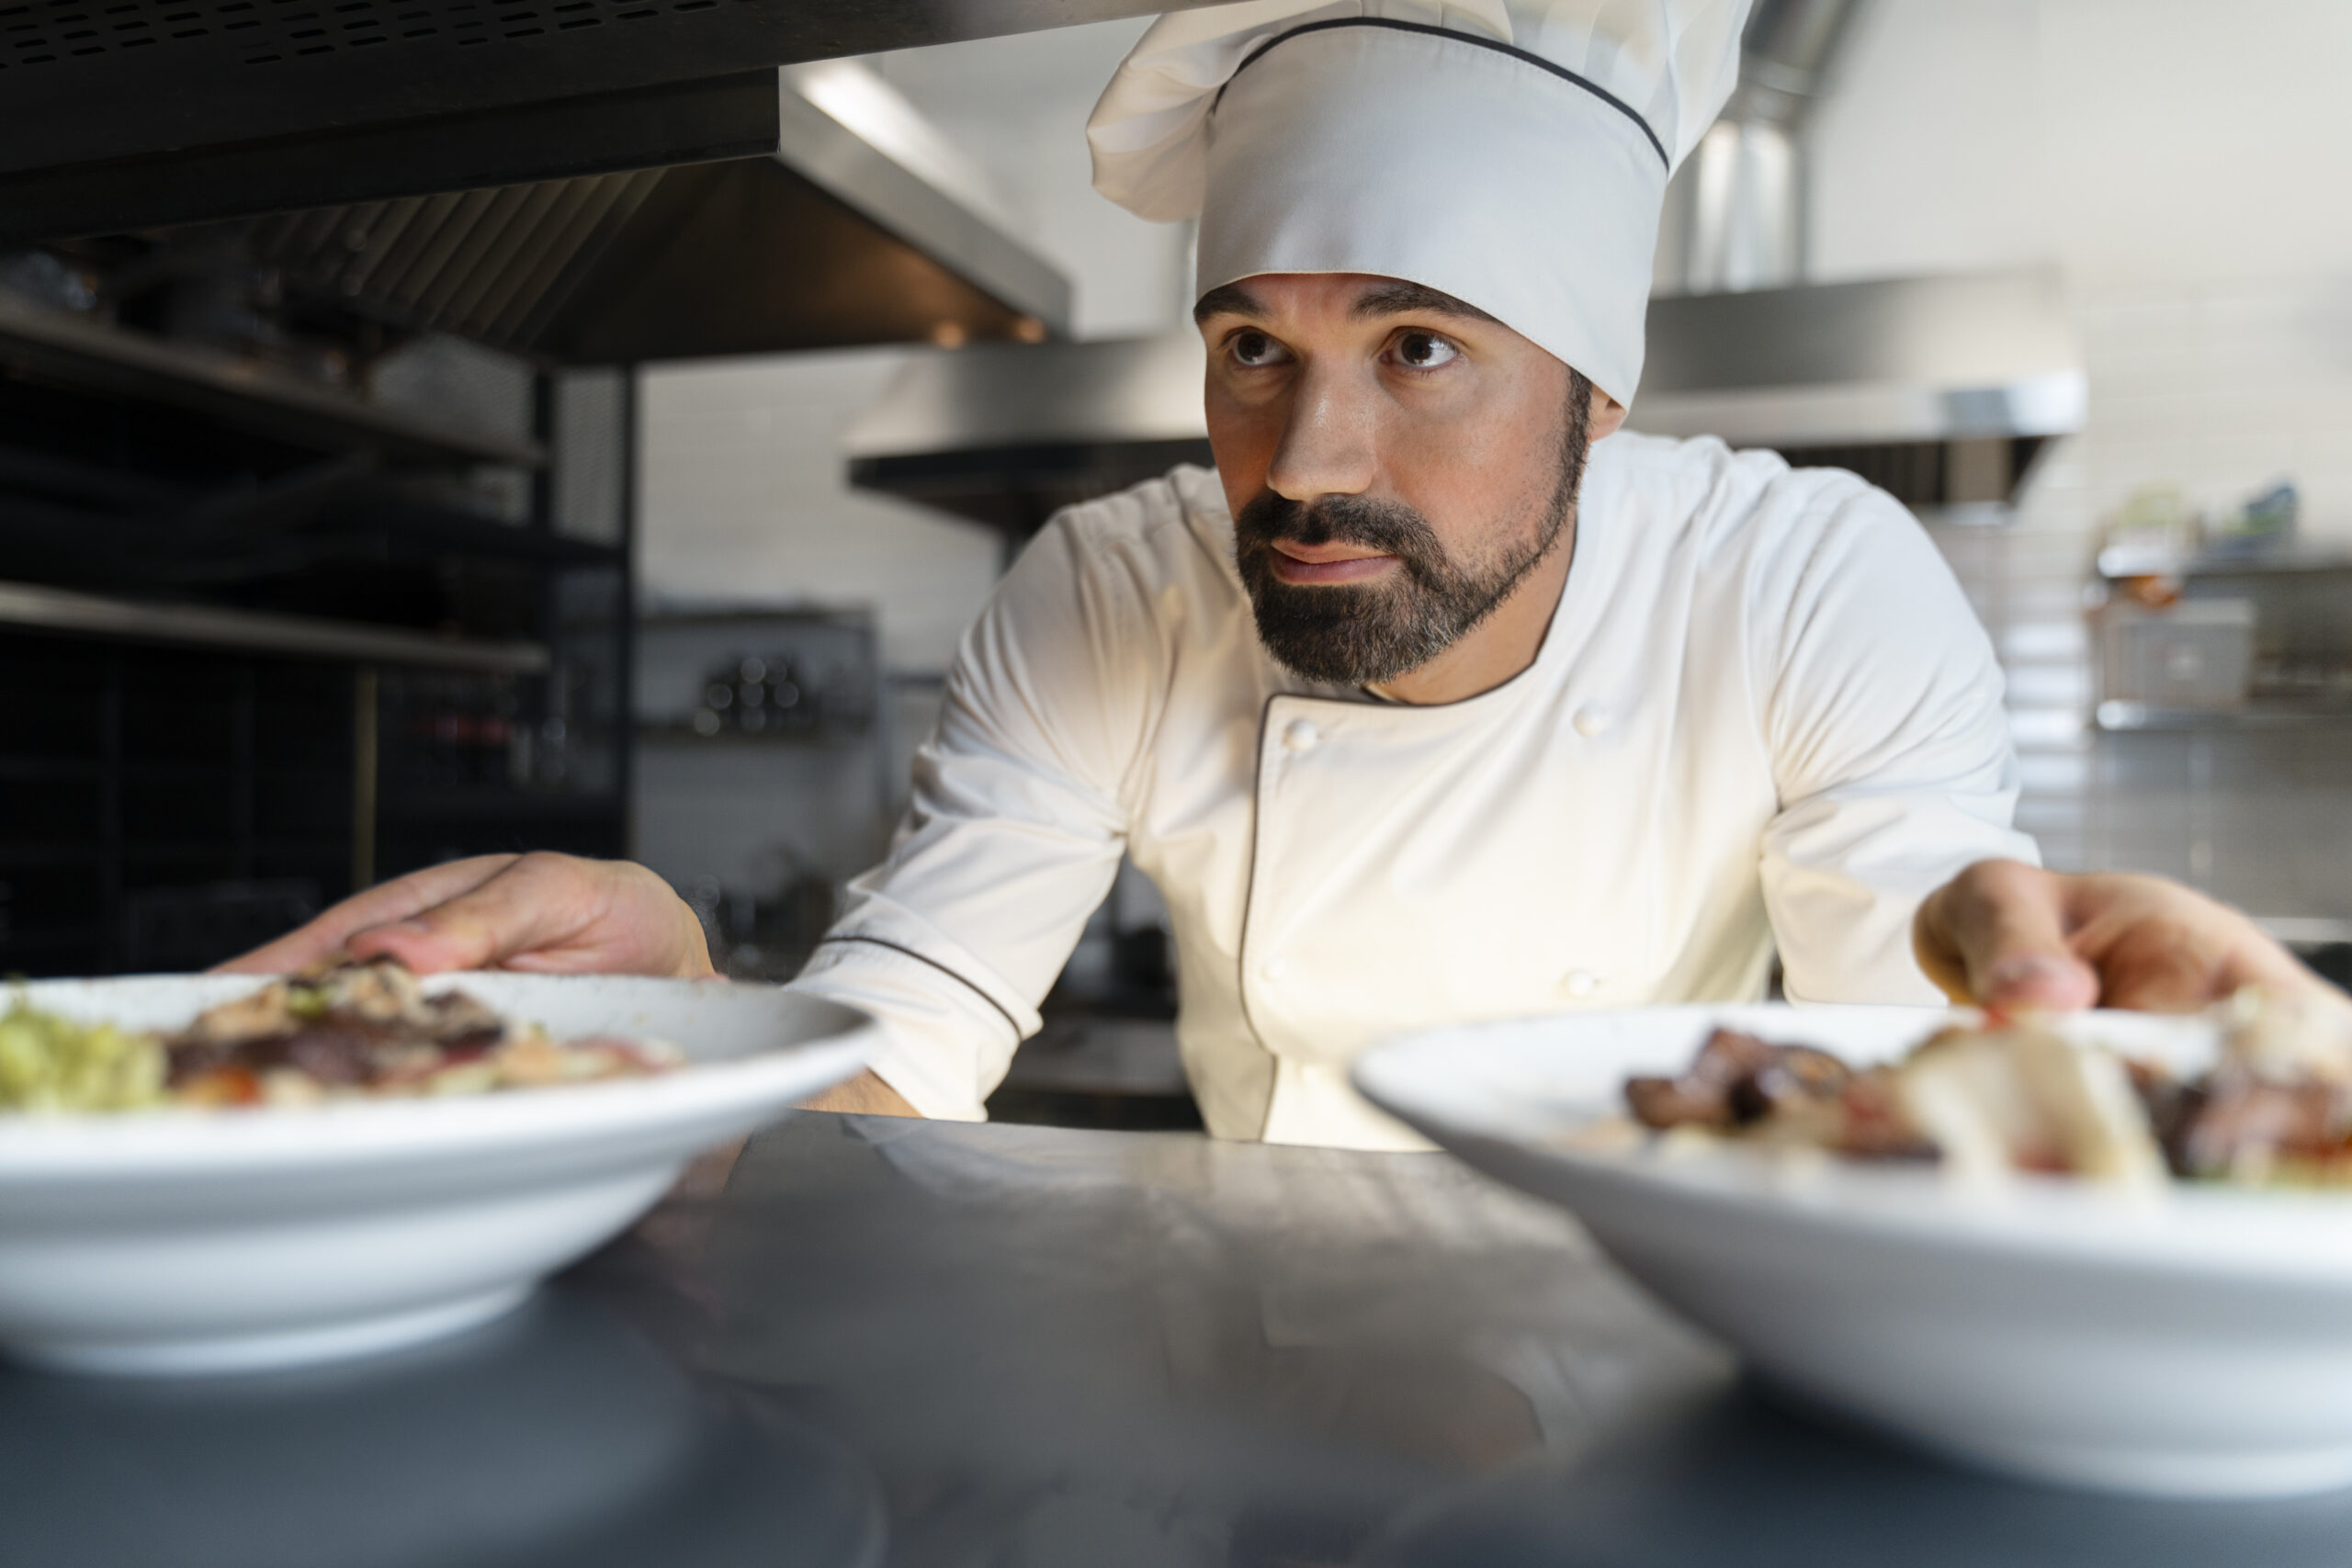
218	1227
2084	1315
351	1031
1985	1097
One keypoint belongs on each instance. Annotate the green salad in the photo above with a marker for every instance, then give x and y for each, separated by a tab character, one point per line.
48	1063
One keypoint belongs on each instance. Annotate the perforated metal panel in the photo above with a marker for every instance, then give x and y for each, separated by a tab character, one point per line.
122	114
260	33
736	256
488	265
114	87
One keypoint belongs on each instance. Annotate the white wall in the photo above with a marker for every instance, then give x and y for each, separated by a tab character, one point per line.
2184	165
2199	141
1929	153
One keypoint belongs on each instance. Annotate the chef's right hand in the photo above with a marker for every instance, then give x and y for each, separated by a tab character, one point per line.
546	913
2003	934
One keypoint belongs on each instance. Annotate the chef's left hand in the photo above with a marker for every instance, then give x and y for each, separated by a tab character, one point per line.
2003	934
554	914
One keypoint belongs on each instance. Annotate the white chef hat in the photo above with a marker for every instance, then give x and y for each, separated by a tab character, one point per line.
1513	154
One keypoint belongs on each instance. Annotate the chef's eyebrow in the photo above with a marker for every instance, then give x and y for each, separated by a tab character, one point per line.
1229	300
1402	298
1396	298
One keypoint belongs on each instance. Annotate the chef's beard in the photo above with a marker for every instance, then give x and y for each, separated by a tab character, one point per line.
1363	634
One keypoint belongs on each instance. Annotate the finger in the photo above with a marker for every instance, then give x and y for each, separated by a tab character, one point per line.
553	914
2168	980
2164	948
1996	935
2256	958
536	904
398	900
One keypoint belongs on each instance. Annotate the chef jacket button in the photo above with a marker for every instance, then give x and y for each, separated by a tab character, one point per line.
1301	736
1591	721
1274	968
1580	982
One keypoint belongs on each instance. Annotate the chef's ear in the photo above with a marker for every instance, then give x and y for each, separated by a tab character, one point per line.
1607	413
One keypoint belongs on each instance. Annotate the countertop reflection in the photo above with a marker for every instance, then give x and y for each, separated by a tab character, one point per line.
559	1436
941	1346
1738	1478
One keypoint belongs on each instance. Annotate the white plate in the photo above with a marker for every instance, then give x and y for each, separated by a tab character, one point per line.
184	1241
2196	1342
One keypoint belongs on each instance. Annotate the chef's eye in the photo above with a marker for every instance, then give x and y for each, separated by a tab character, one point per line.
1254	349
1422	351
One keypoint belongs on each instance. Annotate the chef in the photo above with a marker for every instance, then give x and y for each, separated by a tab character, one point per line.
1443	697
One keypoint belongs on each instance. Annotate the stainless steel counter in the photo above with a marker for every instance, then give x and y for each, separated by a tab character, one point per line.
1030	1348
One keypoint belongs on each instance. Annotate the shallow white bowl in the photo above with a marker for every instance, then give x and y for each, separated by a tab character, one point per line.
2198	1342
189	1242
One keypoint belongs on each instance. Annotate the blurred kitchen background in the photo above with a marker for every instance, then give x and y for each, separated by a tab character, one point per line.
632	499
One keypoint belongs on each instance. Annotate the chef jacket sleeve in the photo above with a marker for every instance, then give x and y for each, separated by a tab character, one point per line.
1016	823
1890	745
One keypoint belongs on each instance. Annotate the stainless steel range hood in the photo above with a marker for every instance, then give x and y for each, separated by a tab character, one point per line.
139	113
1896	360
1006	434
855	227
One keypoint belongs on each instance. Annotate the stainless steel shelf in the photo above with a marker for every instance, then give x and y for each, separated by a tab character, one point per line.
2123	717
54	609
2246	565
63	349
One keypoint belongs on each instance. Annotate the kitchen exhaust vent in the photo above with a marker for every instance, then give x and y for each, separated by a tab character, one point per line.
858	224
1887	362
1006	435
120	114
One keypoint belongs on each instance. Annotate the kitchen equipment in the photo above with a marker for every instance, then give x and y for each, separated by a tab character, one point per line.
178	1242
2197	1341
2196	655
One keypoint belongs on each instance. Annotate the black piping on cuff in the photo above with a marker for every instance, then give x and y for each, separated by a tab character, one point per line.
1010	1021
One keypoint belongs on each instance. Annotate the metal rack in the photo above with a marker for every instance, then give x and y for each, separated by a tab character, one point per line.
27	606
2291	631
93	357
264	651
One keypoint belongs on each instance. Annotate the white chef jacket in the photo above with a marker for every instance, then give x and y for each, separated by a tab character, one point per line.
1763	709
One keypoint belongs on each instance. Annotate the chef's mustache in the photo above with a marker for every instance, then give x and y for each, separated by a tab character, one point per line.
1389	527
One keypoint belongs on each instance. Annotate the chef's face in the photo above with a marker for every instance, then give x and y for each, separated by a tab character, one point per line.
1399	464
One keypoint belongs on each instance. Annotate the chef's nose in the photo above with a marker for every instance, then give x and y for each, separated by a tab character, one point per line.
1328	446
